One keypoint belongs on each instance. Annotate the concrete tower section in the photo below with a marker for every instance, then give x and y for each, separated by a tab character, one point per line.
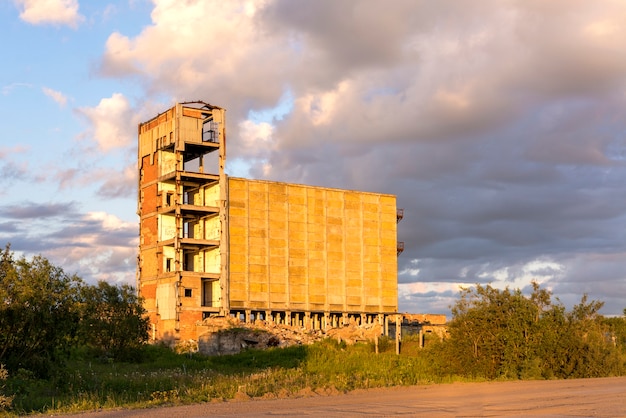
182	210
211	245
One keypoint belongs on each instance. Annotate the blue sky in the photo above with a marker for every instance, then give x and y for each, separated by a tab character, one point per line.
499	125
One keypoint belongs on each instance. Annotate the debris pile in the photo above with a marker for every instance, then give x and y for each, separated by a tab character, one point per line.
226	335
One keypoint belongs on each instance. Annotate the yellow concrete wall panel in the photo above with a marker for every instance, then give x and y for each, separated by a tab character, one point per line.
297	189
238	258
237	222
257	287
317	299
371	267
258	251
257	271
297	245
277	207
278	272
372	300
280	288
279	223
255	232
277	261
234	212
298	216
371	240
389	293
335	213
295	199
278	300
350	196
389	253
297	234
238	231
335	204
335	298
388	200
334	256
388	225
314	237
237	193
297	272
278	233
258	260
387	242
297	297
334	220
252	241
334	194
275	189
237	303
354	223
369	217
297	253
372	226
371	198
318	223
352	300
354	283
296	261
372	258
336	268
317	265
317	246
353	246
259	300
238	268
257	186
237	243
277	251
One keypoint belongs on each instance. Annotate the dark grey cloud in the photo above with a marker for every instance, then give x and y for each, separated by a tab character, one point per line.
33	210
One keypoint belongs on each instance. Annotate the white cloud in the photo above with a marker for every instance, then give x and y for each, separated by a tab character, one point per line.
113	122
57	96
56	12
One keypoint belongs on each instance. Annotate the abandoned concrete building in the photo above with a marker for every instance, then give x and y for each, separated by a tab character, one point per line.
214	245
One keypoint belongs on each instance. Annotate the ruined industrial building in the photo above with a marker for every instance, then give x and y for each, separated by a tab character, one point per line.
214	246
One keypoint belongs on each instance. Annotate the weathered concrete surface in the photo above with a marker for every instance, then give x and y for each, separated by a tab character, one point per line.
604	397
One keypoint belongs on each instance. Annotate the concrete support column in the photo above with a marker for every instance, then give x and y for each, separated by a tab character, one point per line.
398	333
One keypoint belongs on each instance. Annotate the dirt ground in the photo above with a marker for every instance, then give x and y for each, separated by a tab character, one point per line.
604	397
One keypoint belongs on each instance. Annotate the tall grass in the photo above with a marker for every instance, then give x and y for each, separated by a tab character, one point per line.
164	377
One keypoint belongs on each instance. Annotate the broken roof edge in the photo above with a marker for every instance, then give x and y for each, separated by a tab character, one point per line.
203	103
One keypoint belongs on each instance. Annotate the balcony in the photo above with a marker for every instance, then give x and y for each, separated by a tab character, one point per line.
400	247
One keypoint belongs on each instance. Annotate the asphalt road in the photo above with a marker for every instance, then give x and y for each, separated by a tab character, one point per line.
605	397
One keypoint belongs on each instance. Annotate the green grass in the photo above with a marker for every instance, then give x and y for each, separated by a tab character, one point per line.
164	377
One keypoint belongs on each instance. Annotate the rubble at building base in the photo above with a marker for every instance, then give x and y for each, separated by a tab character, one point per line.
227	335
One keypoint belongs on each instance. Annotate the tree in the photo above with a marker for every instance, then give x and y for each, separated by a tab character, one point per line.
502	333
5	401
113	319
38	314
